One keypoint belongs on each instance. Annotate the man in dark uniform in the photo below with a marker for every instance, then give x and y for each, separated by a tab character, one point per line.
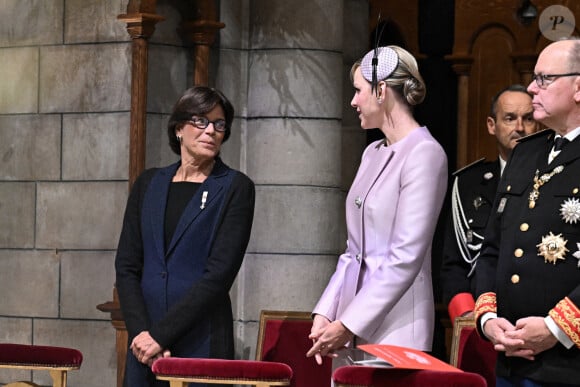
472	195
528	274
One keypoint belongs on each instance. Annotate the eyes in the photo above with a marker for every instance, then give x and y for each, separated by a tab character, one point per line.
512	119
203	122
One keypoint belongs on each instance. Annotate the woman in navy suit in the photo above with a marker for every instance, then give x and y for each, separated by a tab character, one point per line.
381	290
185	233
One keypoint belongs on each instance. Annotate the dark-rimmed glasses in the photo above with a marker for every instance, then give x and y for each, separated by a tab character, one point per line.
544	80
202	123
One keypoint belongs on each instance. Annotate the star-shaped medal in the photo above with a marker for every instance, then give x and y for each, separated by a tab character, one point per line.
570	210
552	248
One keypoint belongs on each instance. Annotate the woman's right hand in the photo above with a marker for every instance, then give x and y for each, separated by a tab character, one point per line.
146	349
318	325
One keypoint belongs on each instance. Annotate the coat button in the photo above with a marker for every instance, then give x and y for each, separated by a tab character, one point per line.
518	253
524	227
163	275
515	279
509	188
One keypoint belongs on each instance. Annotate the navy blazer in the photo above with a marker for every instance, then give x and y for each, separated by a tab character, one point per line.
180	292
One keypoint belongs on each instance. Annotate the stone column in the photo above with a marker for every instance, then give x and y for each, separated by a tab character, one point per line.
285	75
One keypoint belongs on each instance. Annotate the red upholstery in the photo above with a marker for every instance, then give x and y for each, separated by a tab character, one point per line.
476	355
286	341
361	376
37	355
280	356
219	368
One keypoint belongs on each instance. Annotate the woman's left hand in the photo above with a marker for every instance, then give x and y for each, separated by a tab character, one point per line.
334	337
146	349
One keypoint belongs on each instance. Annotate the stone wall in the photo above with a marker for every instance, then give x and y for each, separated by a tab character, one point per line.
64	119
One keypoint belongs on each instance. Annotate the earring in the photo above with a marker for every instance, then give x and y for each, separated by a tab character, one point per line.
180	139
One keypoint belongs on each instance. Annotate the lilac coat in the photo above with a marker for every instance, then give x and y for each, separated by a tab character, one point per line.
382	289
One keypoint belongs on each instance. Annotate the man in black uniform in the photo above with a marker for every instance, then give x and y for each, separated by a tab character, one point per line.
472	195
528	274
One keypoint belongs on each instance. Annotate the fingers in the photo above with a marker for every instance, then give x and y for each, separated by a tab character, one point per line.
522	352
318	358
319	350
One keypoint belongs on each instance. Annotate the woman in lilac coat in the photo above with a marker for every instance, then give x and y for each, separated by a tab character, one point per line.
381	290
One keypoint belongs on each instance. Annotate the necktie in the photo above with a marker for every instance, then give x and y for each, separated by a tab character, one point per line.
559	143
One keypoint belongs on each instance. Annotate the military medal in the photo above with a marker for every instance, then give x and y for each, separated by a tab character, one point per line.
577	254
570	210
539	181
552	248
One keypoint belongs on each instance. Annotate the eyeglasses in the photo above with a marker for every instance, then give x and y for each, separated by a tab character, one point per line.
203	122
544	80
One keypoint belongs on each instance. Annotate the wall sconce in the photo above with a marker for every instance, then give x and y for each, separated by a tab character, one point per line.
527	12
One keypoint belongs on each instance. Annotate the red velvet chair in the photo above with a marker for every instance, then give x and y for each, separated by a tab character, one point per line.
179	372
56	360
362	376
471	353
280	359
283	337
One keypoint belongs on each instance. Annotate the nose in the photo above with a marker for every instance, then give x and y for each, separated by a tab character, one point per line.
353	102
533	87
520	124
210	125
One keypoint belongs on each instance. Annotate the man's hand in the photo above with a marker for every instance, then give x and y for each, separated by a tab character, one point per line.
535	336
495	330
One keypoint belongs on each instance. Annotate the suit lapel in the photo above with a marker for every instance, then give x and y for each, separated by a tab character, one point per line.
568	154
211	189
161	182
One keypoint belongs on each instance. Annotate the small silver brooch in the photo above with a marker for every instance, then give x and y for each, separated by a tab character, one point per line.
358	201
570	210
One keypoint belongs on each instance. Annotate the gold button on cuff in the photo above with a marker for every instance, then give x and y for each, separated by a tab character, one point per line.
515	279
524	227
518	253
575	191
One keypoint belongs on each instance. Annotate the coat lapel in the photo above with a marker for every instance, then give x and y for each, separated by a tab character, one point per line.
568	154
162	183
211	189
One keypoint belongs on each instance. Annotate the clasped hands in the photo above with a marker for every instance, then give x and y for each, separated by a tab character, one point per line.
327	337
146	349
527	338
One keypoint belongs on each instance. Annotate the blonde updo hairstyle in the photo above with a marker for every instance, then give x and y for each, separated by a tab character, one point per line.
404	79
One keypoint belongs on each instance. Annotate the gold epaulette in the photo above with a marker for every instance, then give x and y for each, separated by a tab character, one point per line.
468	166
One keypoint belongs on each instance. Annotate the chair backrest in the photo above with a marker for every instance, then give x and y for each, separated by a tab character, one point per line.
283	337
360	376
471	353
